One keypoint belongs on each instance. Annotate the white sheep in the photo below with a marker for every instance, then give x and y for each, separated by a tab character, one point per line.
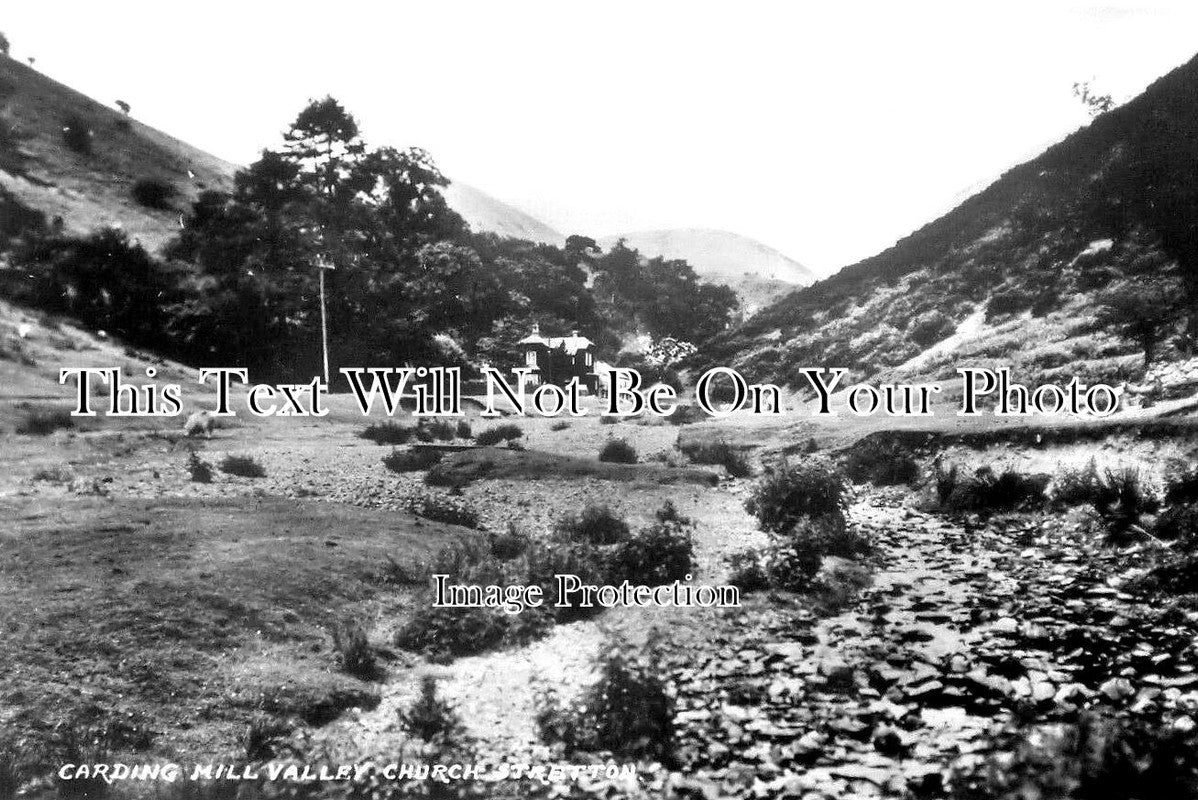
200	422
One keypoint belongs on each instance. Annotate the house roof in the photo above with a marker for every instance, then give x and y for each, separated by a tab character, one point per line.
571	344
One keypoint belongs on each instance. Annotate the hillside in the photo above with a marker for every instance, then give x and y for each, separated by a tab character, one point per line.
1013	276
90	191
485	213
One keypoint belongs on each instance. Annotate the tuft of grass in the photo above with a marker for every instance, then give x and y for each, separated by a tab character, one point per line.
410	460
987	492
506	546
618	451
595	524
386	433
439	430
242	466
430	717
199	469
560	425
355	656
43	422
463	430
263	737
500	433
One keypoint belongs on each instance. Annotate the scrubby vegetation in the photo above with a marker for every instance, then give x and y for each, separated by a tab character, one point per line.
199	470
430	717
440	508
242	466
500	433
618	451
880	462
354	653
987	492
154	193
412	460
595	524
731	458
629	712
391	433
43	422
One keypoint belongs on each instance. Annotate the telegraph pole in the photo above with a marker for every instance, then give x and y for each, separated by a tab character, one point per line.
323	265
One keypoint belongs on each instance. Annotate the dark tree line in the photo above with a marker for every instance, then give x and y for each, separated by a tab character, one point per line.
408	282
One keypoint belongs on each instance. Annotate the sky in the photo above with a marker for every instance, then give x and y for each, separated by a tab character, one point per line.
825	130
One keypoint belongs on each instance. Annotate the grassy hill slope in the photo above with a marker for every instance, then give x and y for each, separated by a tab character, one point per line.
1012	275
94	190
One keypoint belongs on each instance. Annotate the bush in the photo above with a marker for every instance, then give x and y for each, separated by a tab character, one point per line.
77	134
945	481
793	562
154	193
1010	301
542	564
790	492
658	554
560	425
500	433
595	524
439	430
882	463
985	492
43	422
387	433
747	570
463	430
506	546
1182	485
264	736
443	632
628	712
243	466
452	511
1095	758
732	459
354	653
1123	496
410	460
199	469
618	451
1077	486
430	717
929	328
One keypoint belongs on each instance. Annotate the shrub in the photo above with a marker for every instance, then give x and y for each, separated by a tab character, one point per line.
450	510
669	513
1099	756
410	460
506	546
500	433
1010	301
560	425
544	562
263	736
595	524
43	422
387	433
1123	496
747	570
1178	523
1182	485
793	561
658	554
199	469
629	711
609	419
731	458
242	466
790	492
154	193
440	430
1076	486
77	134
929	328
452	631
354	653
882	463
430	717
985	492
945	481
618	451
463	430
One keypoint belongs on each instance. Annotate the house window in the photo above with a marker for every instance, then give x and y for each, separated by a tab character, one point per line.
530	358
588	359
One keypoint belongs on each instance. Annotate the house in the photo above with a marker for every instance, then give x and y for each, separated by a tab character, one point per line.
558	359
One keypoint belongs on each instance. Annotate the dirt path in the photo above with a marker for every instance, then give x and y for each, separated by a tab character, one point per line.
961	631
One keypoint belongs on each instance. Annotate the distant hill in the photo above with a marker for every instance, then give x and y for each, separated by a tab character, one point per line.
485	213
1012	276
759	274
90	191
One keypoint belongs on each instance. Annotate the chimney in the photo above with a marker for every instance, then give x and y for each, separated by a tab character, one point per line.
574	333
536	329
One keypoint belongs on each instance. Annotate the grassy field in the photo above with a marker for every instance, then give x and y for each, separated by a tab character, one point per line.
182	617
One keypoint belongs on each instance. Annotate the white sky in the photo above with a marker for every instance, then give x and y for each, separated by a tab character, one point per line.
827	130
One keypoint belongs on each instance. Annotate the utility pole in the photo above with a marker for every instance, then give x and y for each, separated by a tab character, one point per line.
323	265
